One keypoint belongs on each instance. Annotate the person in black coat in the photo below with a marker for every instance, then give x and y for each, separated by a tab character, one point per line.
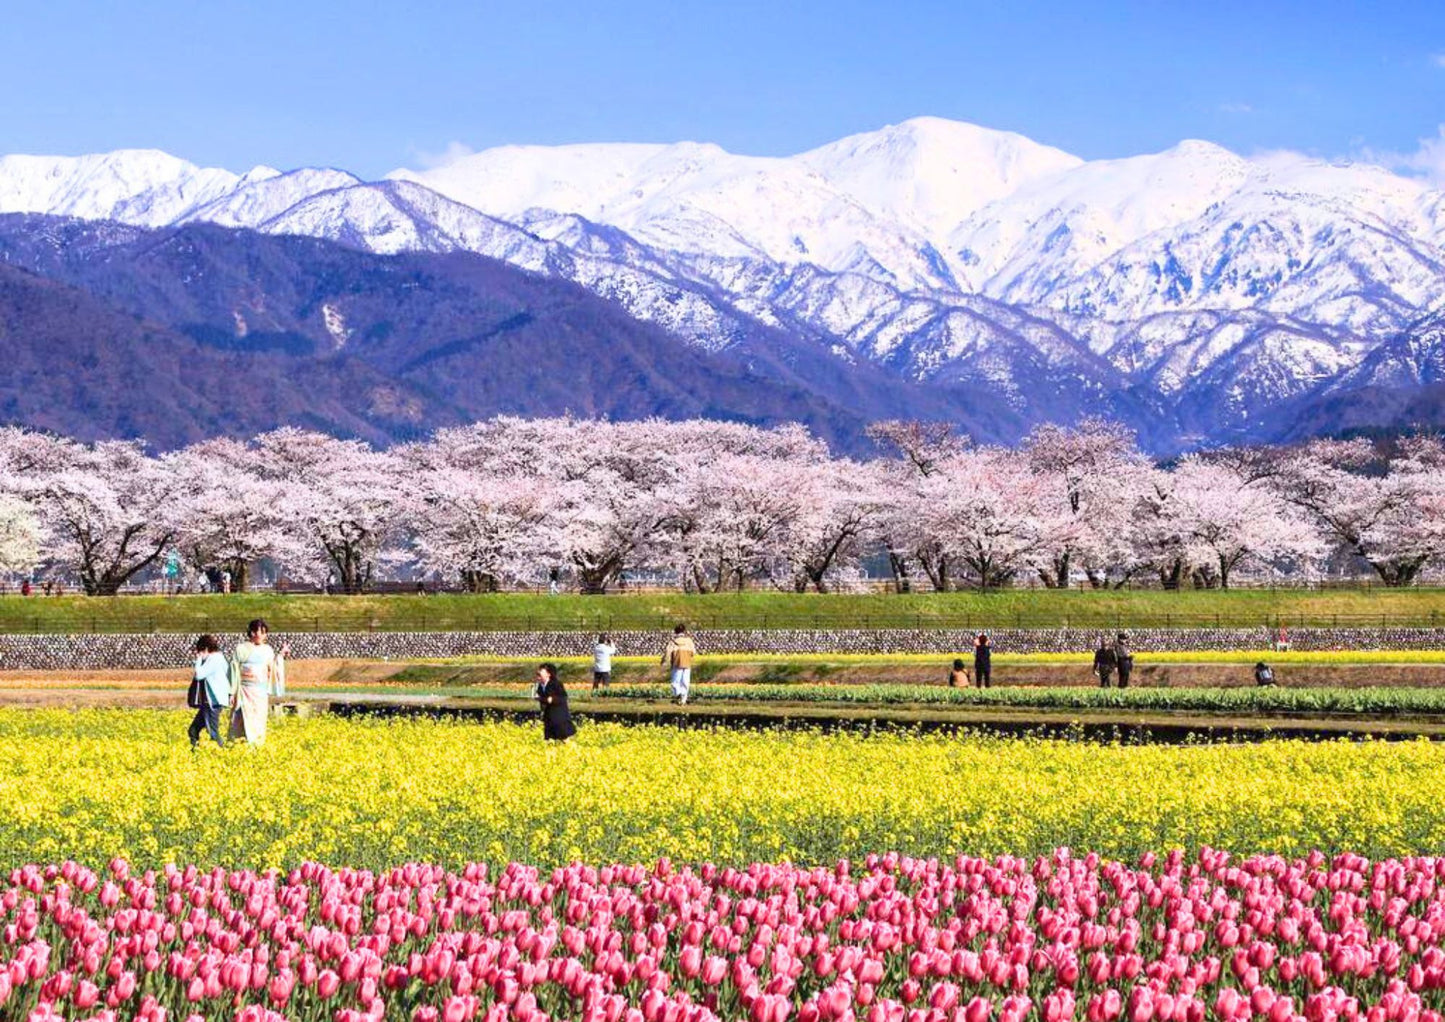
1104	663
1123	659
982	660
552	697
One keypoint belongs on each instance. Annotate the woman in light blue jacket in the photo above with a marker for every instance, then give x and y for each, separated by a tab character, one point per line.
210	689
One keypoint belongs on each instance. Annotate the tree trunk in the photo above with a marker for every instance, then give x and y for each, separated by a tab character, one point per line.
899	566
593	579
105	580
937	571
1399	572
474	581
1061	570
240	570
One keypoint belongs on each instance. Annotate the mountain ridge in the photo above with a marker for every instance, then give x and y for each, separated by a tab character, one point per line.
388	346
1184	291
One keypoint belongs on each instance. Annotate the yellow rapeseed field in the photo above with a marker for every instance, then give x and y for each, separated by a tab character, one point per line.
95	784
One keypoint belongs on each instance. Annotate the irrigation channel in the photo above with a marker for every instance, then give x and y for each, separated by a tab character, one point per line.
1129	728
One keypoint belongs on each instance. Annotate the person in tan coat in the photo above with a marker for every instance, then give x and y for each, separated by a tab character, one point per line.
678	656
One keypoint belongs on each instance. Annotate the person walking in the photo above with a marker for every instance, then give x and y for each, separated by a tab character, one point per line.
982	661
958	675
1123	659
679	656
557	723
602	655
210	689
257	672
1104	663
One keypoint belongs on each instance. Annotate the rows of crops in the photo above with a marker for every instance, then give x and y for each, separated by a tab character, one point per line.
1268	700
822	878
888	939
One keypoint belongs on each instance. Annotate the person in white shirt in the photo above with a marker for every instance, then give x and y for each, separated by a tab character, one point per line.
602	655
257	672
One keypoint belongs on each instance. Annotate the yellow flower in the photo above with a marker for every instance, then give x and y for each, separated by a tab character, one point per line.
93	784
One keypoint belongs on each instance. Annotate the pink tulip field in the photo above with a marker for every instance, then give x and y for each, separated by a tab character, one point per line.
890	939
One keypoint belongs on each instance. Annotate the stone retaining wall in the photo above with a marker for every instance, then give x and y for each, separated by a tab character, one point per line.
138	652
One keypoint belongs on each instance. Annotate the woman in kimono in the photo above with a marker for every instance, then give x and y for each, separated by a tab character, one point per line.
257	673
552	697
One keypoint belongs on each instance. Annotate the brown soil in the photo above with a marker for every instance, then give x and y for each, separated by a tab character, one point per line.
91	698
161	689
1145	675
300	673
167	688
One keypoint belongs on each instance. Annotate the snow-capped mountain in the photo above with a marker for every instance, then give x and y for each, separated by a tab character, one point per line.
870	202
135	186
1186	291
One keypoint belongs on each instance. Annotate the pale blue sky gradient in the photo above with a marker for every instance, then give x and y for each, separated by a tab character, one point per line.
373	86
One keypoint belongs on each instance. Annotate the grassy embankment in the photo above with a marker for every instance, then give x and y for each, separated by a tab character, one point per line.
971	610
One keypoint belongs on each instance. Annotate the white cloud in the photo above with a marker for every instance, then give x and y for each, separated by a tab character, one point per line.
1438	59
453	152
1427	160
1236	108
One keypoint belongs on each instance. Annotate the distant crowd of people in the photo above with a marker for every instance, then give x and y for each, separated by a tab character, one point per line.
1113	664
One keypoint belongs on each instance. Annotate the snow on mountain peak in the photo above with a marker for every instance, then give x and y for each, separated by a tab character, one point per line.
930	173
137	186
938	248
258	198
506	180
885	199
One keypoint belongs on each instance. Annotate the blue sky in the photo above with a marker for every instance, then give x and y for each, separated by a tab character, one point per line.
372	86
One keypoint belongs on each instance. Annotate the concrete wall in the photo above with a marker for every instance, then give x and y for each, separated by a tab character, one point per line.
131	652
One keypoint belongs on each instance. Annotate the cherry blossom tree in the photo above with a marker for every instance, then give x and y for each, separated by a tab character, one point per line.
485	528
974	519
923	445
918	449
1389	512
104	509
1092	475
19	536
1158	540
229	516
728	517
342	495
841	505
1225	519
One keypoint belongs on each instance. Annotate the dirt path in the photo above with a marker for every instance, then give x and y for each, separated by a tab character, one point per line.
313	679
161	689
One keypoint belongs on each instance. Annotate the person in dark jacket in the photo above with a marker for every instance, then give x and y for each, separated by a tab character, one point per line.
1104	663
982	661
1123	659
552	697
1263	675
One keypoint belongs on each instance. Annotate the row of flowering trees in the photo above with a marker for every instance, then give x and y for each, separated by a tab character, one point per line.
717	505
